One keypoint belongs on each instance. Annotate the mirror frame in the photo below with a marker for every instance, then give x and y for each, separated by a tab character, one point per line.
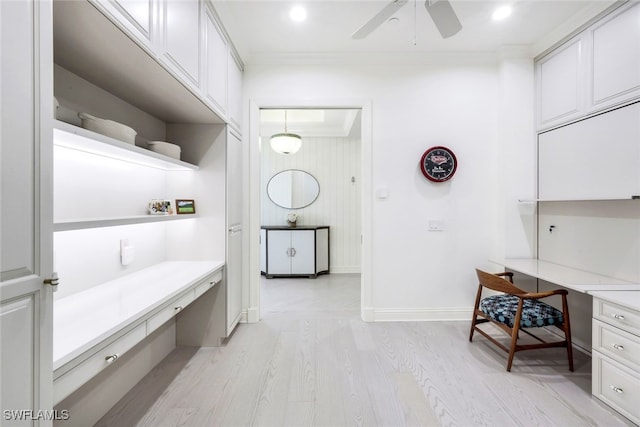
292	207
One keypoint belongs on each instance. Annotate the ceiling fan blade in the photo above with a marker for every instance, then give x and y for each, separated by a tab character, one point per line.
444	17
379	19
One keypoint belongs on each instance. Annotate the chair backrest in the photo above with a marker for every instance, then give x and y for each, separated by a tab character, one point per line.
496	283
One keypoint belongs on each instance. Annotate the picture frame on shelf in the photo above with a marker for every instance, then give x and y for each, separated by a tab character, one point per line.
160	207
185	206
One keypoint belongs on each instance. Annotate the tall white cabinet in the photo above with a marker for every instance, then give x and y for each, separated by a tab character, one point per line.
588	206
25	211
123	60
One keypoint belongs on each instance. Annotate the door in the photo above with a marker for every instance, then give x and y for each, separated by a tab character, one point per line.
278	252
234	236
26	247
303	259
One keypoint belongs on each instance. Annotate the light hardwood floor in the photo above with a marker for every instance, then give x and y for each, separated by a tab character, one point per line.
311	361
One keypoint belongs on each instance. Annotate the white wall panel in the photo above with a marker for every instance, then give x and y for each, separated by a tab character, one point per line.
333	162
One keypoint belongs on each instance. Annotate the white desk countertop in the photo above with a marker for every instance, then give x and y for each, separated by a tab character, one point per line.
629	299
82	320
570	278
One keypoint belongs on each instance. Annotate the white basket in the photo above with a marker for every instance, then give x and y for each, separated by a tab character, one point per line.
166	148
108	128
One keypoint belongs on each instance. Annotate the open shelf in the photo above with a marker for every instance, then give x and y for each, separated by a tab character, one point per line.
81	224
77	138
602	199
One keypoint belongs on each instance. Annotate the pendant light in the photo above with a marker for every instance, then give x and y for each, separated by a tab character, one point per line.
285	143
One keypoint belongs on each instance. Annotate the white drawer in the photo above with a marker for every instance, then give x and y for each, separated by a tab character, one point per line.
76	377
616	385
617	315
208	283
169	311
616	343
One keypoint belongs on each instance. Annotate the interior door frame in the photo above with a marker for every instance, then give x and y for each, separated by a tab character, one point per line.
252	285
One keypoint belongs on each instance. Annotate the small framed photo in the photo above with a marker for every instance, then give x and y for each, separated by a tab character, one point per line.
185	206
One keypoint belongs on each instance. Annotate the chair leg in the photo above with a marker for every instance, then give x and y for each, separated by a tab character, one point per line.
514	334
567	331
475	316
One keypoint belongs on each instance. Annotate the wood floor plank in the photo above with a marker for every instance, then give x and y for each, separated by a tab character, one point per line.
311	361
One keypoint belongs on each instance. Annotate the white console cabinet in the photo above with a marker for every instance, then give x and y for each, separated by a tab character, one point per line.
302	251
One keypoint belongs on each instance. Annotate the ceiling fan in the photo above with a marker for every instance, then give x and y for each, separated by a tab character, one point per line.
440	11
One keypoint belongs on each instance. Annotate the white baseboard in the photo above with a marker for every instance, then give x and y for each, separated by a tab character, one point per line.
345	269
420	314
252	315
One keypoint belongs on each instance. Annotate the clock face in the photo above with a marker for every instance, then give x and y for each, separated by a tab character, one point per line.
438	164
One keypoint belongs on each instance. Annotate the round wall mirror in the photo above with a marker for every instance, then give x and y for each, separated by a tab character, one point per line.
293	189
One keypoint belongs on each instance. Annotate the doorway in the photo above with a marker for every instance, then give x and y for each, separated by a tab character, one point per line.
340	157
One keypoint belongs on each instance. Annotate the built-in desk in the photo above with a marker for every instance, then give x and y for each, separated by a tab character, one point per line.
93	328
615	332
570	278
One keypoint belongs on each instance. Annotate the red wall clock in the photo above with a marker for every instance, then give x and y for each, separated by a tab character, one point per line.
438	164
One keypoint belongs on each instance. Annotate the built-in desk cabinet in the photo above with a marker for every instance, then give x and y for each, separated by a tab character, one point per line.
596	70
616	351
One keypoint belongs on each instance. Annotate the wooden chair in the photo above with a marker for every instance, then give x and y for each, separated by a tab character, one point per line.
517	307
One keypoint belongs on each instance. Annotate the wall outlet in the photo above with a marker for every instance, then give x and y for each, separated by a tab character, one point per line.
127	252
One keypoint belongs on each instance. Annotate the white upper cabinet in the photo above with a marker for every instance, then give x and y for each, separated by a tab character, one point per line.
596	70
135	16
235	92
595	158
216	59
180	38
560	82
616	58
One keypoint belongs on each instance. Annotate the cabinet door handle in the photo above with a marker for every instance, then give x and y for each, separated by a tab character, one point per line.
617	389
178	308
111	358
293	252
618	316
618	347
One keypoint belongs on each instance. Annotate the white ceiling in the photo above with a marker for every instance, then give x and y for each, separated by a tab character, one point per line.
262	30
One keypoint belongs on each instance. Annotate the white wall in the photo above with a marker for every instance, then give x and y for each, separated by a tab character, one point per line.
333	161
418	274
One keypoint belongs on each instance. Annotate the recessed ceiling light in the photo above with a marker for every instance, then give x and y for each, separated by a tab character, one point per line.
394	20
298	13
501	13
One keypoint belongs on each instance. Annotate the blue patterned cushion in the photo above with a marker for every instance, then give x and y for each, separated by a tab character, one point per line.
535	313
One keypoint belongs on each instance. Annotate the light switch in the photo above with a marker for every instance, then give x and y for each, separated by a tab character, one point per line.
436	225
127	252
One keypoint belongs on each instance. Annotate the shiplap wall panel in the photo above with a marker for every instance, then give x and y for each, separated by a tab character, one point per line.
333	161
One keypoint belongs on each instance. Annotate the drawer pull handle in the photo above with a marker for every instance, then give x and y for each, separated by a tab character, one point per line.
618	347
111	358
618	316
617	389
178	308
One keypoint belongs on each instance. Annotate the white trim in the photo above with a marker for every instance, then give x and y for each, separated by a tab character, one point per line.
253	178
421	314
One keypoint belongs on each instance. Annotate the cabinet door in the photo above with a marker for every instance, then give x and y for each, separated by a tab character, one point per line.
596	158
180	45
235	92
616	58
278	252
303	260
26	251
134	16
560	78
234	279
216	63
234	180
